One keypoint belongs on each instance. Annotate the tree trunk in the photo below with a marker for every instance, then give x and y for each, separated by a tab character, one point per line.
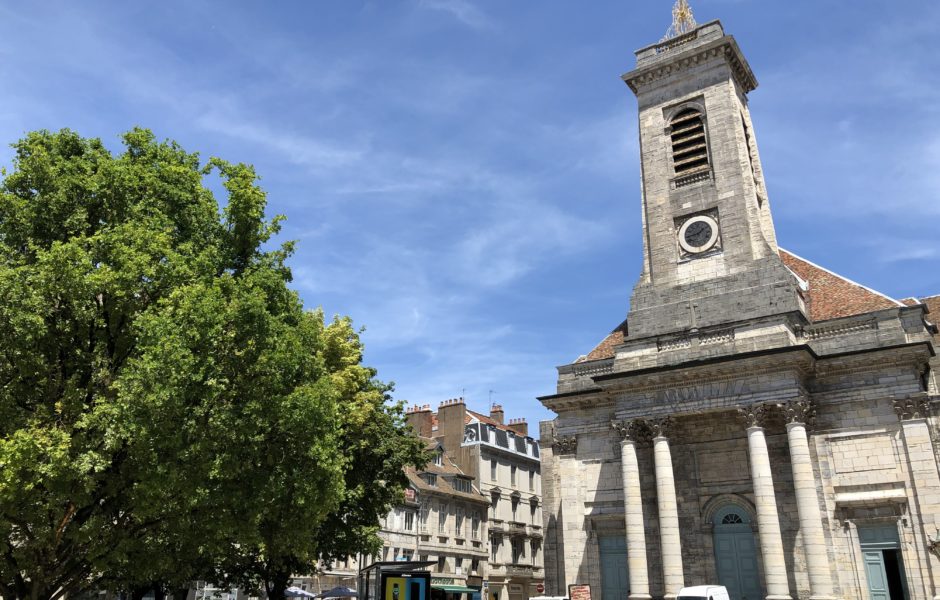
277	585
138	592
181	593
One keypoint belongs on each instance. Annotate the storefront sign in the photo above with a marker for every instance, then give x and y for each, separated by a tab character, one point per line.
579	592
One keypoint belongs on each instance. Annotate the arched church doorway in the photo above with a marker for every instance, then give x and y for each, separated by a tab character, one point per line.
735	553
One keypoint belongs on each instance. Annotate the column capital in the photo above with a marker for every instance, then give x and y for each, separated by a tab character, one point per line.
660	426
565	444
799	410
753	415
632	430
915	406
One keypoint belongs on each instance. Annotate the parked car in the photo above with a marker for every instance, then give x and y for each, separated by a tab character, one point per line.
704	592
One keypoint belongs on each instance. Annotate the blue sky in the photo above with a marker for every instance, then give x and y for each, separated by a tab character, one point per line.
462	176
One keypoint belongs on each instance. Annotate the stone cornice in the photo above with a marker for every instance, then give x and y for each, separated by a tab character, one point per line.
861	361
724	47
729	368
801	360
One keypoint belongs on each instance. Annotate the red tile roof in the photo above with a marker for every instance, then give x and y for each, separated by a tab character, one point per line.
606	348
831	295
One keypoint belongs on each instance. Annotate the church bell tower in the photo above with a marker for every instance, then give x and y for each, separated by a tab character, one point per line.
710	252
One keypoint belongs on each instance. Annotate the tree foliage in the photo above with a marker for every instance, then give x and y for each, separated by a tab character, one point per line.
168	409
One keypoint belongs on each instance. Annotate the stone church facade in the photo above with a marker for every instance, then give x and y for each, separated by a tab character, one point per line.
757	421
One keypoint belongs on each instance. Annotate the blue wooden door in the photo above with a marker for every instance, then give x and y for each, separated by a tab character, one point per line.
615	581
877	578
875	540
736	554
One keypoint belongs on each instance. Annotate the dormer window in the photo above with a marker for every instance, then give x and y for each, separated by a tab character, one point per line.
439	458
431	479
689	150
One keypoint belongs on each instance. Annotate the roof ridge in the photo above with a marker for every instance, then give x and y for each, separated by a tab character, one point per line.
843	277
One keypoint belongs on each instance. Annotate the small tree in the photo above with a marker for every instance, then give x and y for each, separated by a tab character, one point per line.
166	404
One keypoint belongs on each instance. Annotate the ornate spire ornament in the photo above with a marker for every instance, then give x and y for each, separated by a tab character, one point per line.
682	20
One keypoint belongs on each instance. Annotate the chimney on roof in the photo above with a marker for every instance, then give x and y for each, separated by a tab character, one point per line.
496	413
451	420
451	413
421	419
519	426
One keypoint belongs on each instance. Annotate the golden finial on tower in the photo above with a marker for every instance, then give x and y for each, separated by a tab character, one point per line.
682	20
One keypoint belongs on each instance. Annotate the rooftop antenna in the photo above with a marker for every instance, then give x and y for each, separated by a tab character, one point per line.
491	397
682	20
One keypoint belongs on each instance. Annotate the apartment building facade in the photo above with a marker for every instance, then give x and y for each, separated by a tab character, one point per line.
503	462
442	519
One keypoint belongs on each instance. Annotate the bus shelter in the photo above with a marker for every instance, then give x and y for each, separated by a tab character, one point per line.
400	580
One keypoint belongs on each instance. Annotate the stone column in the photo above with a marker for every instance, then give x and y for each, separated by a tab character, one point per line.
768	521
798	413
913	412
669	537
638	570
574	538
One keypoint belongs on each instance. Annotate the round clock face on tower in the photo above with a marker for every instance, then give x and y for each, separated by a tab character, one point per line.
698	234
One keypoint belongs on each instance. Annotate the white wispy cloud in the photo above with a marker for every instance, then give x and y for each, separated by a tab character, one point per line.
463	10
317	155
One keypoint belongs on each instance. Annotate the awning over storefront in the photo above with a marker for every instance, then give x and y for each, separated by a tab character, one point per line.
454	589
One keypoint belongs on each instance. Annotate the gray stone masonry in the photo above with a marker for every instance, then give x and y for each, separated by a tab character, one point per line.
747	277
845	407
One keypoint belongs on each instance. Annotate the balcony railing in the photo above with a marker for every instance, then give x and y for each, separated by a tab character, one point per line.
520	570
497	527
516	528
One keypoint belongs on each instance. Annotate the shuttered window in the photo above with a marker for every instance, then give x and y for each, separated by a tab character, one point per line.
689	151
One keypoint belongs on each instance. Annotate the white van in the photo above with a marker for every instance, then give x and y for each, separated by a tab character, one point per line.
704	592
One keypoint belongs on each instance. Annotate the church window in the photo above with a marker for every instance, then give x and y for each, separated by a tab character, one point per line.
732	519
689	150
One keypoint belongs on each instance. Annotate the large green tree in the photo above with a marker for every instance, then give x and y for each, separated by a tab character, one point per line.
168	409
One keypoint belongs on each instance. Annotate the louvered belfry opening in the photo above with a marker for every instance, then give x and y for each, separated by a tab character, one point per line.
689	152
